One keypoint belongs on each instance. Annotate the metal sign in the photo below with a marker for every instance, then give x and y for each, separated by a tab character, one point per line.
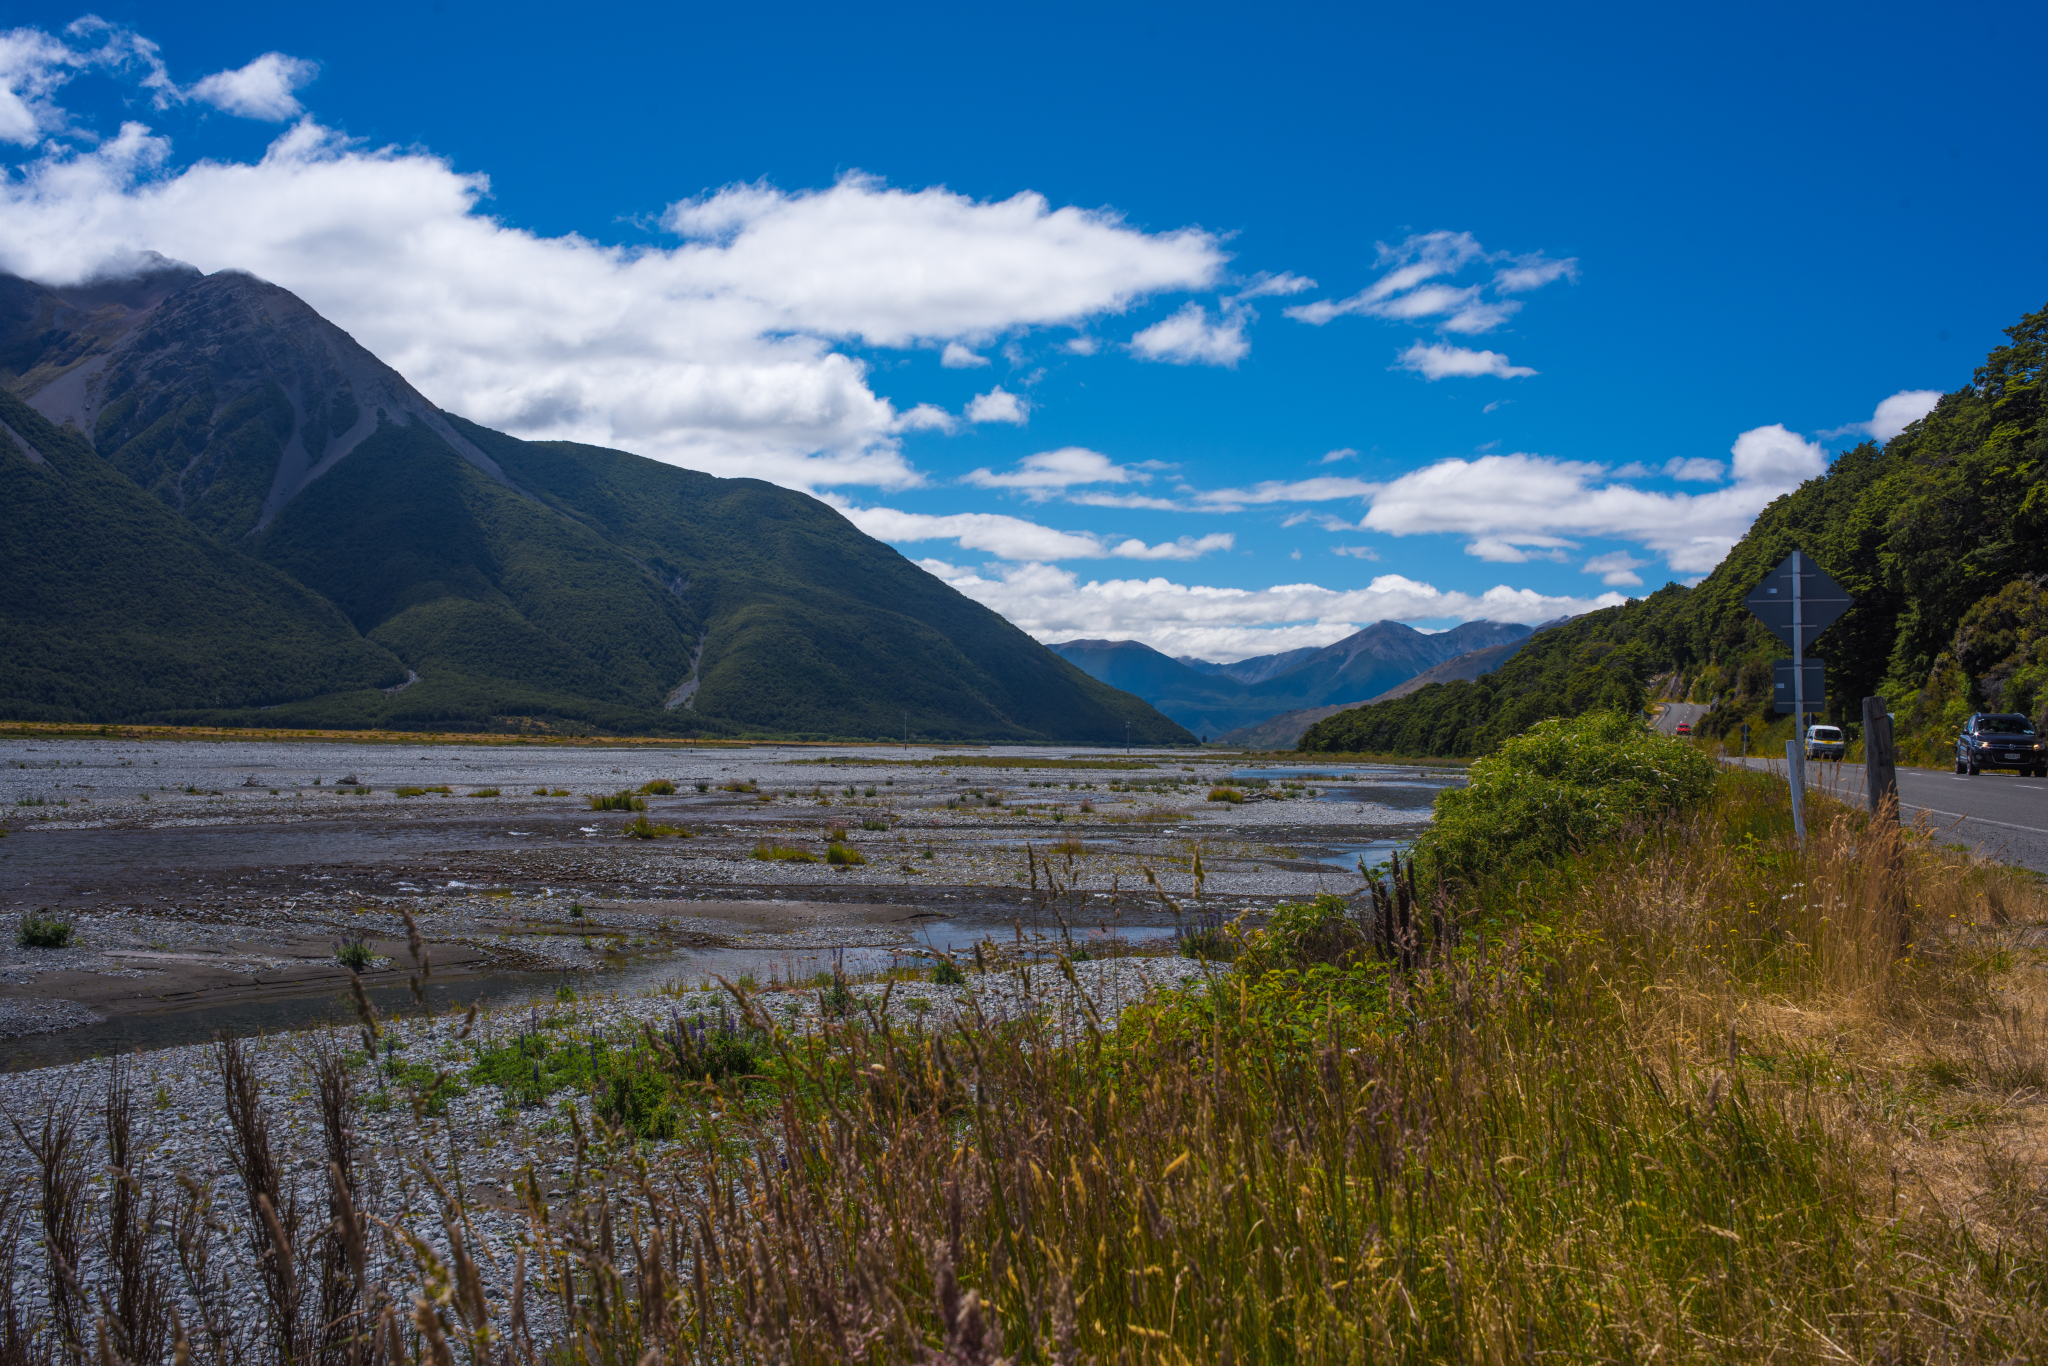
1798	587
1798	600
1786	692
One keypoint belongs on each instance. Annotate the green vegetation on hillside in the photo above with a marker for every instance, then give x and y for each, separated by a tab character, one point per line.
112	605
1941	536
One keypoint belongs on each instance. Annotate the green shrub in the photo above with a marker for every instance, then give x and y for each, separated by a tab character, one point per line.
1225	794
408	792
782	853
39	931
617	801
354	954
1303	935
1562	785
486	792
946	973
836	1000
872	823
844	855
660	787
643	829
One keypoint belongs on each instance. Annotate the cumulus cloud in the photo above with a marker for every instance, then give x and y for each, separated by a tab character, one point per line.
264	89
927	417
1356	552
958	357
1332	457
1416	285
721	351
1080	346
1440	360
998	405
1054	603
1189	338
1048	472
1893	415
1014	538
1616	568
1519	507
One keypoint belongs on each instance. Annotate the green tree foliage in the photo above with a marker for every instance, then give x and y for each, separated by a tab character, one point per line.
1941	536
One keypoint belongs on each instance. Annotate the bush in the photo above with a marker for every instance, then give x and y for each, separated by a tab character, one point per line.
947	974
844	855
1225	794
782	853
617	801
39	931
660	787
486	792
871	823
408	792
354	954
1303	935
1562	785
644	829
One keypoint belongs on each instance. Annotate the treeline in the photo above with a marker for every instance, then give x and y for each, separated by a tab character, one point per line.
1939	536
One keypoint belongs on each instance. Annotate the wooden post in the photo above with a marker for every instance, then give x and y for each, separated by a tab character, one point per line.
1795	775
1880	761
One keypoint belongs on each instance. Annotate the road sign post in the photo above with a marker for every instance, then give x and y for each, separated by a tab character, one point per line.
1798	600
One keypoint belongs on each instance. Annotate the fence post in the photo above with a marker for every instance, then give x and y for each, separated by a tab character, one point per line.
1795	776
1880	760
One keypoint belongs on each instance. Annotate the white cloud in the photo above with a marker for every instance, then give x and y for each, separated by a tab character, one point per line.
1262	286
998	405
718	352
1893	415
1519	507
958	357
32	66
1356	552
1616	568
1080	346
1332	457
1186	548
1415	286
1189	338
1049	472
1321	489
1014	538
1440	360
927	417
261	90
1125	500
1053	604
1695	470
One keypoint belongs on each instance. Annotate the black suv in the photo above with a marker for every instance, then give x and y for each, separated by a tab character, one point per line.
2000	740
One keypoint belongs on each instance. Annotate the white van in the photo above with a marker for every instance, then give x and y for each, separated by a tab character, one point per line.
1825	742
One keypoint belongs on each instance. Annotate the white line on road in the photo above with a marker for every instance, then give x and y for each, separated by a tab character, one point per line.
1981	820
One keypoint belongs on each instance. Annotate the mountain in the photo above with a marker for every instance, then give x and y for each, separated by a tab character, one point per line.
1257	669
1359	666
1940	535
1285	730
228	510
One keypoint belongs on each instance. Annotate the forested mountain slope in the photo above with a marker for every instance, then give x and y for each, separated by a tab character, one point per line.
224	509
1941	536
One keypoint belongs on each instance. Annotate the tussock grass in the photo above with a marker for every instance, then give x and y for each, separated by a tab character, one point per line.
616	801
41	931
782	853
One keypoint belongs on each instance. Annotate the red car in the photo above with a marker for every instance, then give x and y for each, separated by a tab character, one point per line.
1684	728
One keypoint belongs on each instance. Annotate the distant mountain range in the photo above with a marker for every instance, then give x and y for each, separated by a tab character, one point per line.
1216	699
219	507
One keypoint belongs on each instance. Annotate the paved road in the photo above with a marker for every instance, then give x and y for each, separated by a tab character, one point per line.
1675	712
2003	816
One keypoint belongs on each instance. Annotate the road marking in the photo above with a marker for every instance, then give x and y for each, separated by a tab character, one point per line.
1981	820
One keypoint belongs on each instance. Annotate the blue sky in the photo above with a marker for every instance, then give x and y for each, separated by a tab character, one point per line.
1589	287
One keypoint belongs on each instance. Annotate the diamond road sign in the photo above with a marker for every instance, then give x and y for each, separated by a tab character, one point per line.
1815	685
1821	600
